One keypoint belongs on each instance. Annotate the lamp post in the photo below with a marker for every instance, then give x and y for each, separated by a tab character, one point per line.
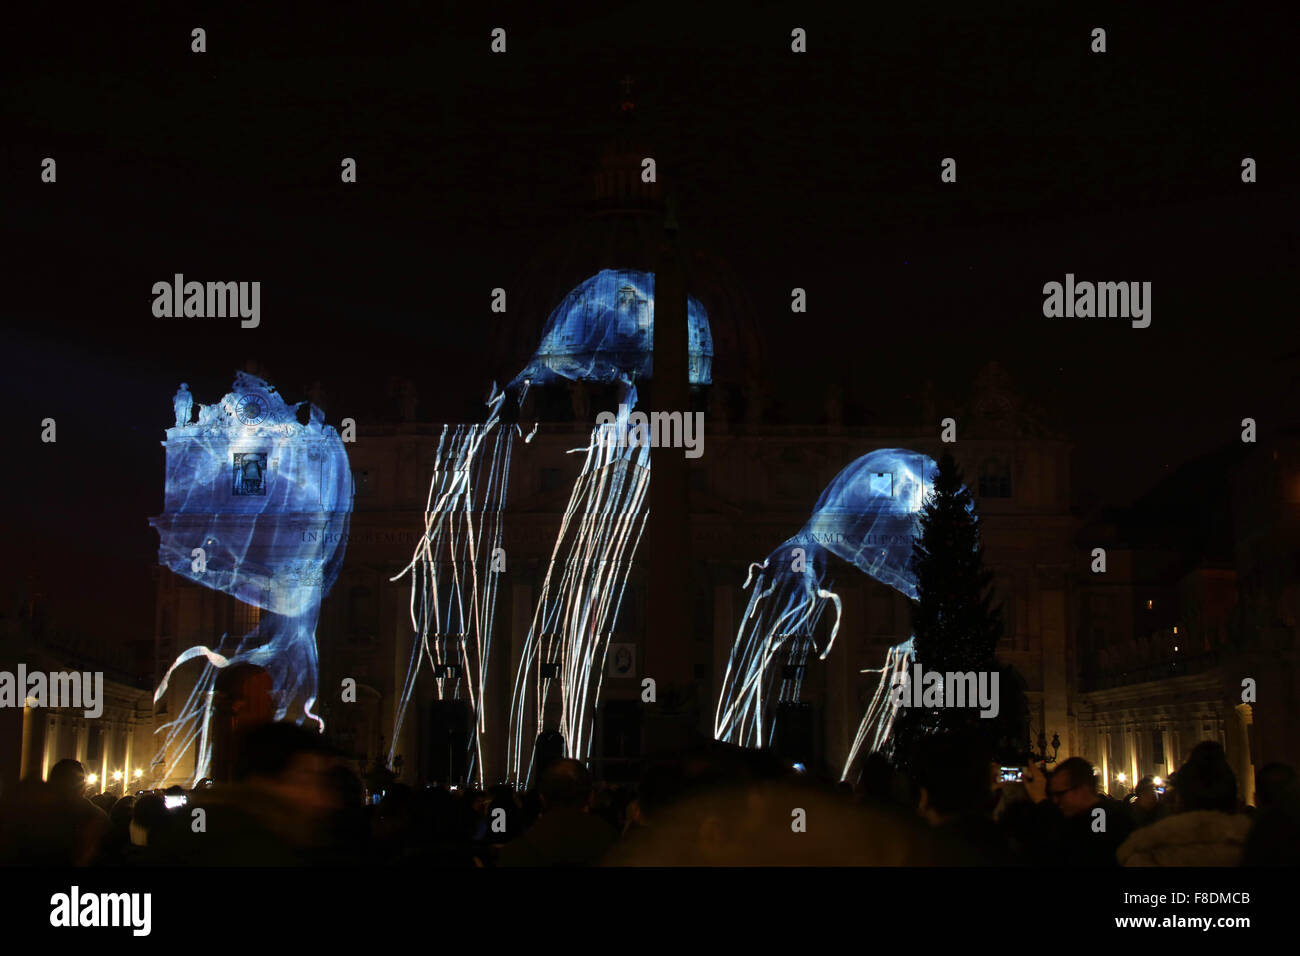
1041	756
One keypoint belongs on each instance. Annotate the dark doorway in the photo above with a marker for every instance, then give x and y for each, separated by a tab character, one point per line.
620	749
450	725
795	733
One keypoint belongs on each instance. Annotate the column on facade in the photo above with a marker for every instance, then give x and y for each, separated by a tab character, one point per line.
79	735
723	637
33	748
1132	745
1052	630
128	753
51	744
1244	763
105	750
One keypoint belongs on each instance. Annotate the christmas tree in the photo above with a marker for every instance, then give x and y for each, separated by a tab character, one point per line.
956	626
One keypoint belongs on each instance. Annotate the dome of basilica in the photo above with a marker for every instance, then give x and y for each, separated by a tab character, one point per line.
588	280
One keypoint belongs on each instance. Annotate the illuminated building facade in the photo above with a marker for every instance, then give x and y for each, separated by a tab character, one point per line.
755	484
1180	645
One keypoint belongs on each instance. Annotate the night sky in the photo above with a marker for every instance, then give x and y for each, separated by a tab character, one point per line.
818	170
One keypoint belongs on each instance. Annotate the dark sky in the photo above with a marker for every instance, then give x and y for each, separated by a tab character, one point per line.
818	171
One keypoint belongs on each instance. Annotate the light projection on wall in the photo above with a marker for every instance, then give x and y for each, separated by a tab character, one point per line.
456	567
257	506
602	332
867	516
568	639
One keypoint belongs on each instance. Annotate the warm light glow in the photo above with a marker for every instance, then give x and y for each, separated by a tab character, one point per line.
139	773
1175	628
1175	648
1148	605
1158	781
1122	777
117	775
92	779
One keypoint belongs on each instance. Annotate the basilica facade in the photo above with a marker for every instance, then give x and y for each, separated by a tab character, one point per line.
1091	647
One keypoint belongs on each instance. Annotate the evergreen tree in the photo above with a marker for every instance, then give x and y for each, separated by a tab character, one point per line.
955	625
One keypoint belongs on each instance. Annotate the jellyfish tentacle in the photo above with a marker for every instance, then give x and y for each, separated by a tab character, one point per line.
867	517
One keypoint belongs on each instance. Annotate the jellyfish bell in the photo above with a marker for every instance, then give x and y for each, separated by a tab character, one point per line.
868	514
267	499
603	332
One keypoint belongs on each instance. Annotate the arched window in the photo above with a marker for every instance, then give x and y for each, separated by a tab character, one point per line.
995	477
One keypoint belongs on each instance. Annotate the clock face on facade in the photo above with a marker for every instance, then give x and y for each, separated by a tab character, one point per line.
252	408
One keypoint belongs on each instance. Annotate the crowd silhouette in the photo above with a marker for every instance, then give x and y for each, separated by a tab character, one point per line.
295	803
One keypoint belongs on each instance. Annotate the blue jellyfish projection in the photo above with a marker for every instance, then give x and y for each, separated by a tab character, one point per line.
602	332
581	594
256	506
867	516
455	568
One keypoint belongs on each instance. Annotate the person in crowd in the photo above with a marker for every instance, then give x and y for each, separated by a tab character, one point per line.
50	822
1067	821
348	825
883	786
1274	838
277	813
90	822
567	833
501	821
954	778
1145	808
1204	829
105	802
720	805
149	829
117	839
